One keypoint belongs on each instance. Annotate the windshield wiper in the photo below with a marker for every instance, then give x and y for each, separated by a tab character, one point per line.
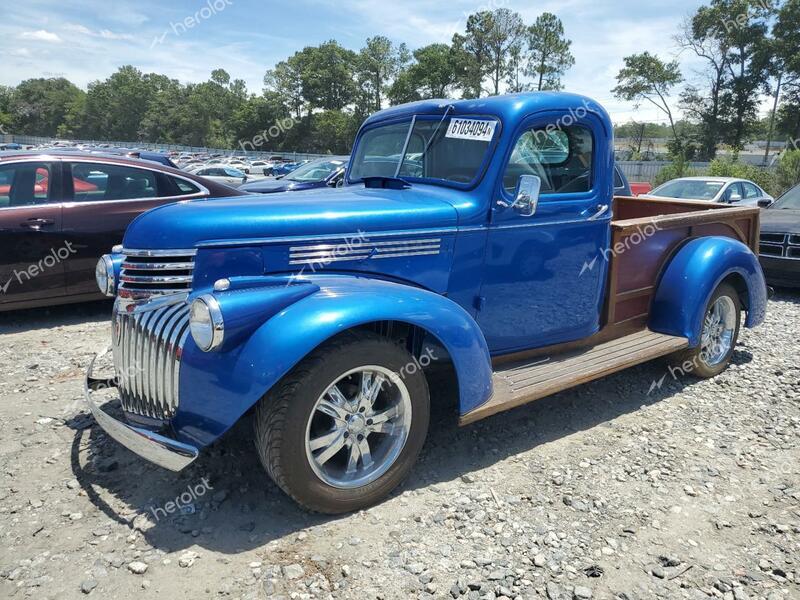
447	110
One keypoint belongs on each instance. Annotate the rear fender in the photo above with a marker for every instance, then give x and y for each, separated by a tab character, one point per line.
691	278
218	387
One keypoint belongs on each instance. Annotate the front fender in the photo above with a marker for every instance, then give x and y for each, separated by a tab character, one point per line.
691	278
217	388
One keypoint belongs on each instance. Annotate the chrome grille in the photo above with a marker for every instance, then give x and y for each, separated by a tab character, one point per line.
781	245
148	273
147	356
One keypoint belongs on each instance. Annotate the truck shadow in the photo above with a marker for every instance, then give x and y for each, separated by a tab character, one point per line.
32	319
226	503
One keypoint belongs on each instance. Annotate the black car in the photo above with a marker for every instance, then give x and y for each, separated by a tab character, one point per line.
780	240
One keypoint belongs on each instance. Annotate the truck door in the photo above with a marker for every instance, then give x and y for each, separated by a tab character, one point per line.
545	275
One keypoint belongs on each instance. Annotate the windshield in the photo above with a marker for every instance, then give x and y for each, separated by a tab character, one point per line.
689	189
453	149
790	200
316	170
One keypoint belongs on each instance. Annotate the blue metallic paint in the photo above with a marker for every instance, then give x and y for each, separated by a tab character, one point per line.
217	388
274	325
691	278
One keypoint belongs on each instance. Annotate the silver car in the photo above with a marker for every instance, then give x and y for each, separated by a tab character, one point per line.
728	190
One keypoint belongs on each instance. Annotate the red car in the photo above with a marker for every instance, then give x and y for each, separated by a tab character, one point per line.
59	212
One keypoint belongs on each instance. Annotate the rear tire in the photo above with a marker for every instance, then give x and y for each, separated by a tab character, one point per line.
325	443
718	336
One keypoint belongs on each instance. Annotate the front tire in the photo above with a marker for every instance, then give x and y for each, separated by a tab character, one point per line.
719	334
346	425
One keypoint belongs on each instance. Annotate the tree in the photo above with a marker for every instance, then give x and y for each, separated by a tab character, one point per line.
379	62
646	77
39	106
433	74
328	76
705	106
549	55
491	37
785	44
286	80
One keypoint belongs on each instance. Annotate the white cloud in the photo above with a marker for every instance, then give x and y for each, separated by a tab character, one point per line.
41	35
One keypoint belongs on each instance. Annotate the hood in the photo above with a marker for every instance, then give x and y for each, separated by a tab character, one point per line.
268	186
780	220
317	212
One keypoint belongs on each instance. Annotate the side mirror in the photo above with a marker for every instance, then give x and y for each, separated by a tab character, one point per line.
526	196
764	203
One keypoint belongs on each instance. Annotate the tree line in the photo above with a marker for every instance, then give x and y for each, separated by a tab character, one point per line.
747	49
316	99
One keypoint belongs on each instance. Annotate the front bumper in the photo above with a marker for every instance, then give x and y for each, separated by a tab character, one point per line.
158	449
781	272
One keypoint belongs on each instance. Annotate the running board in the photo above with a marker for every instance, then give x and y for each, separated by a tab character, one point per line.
520	383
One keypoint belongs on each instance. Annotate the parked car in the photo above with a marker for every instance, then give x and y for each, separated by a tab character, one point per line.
283	168
60	211
780	240
488	259
222	174
321	172
640	188
727	190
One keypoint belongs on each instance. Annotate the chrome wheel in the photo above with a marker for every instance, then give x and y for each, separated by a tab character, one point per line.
358	427
719	329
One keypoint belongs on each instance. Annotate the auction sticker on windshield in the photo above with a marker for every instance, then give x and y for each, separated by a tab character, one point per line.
471	129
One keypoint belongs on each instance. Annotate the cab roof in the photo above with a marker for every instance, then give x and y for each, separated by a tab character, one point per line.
508	108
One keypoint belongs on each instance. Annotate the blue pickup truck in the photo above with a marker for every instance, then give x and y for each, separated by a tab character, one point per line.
476	244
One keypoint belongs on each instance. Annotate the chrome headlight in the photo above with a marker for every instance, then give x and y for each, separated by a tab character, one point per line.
205	323
104	275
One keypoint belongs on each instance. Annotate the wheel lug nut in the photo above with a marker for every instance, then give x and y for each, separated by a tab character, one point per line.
346	434
362	409
369	421
360	437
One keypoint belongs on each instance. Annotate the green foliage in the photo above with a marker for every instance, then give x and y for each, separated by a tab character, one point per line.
646	78
549	55
39	106
730	166
674	170
788	172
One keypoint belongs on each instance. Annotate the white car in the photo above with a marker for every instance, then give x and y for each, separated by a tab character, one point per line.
222	174
728	190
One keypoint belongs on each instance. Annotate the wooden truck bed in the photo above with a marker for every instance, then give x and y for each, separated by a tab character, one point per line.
645	234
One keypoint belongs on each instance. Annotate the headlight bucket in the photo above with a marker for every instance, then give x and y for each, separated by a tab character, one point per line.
104	275
206	323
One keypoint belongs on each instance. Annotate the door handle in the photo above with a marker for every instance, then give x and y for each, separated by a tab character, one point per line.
601	210
37	224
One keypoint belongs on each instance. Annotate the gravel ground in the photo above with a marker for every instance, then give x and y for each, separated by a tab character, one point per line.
607	491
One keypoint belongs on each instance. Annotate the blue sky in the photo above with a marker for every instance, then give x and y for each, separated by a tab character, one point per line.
85	40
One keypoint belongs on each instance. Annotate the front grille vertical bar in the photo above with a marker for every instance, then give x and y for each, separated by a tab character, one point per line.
147	358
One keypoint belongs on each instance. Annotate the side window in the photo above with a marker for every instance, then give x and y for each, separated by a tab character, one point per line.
24	184
561	158
618	180
99	181
751	191
184	186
